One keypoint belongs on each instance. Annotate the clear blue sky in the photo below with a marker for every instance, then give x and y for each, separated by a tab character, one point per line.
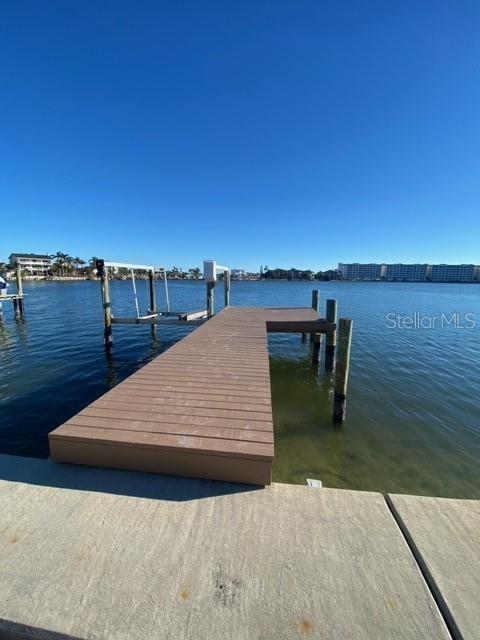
296	133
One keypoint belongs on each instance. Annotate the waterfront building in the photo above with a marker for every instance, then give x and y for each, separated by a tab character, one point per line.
33	263
454	272
407	272
357	271
410	272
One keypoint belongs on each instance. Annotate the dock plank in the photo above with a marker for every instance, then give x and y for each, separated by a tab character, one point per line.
135	414
183	409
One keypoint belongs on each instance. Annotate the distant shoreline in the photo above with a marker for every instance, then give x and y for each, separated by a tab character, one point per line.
275	280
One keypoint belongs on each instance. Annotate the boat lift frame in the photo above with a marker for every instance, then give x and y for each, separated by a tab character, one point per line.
210	270
154	316
16	298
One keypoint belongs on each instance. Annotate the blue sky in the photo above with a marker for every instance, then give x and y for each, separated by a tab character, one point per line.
254	132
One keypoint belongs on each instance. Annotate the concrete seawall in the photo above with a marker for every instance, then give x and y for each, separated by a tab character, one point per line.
90	553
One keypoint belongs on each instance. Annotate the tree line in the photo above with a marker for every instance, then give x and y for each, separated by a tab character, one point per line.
297	274
65	265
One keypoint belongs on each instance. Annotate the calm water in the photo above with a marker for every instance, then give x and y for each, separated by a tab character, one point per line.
413	420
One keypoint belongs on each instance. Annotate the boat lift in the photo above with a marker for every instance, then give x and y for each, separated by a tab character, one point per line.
154	316
210	270
16	298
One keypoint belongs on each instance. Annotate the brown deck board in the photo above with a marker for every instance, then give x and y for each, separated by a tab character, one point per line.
197	391
183	397
202	408
207	412
133	415
176	429
169	442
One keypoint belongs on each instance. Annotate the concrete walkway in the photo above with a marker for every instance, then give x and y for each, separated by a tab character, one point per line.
445	537
202	560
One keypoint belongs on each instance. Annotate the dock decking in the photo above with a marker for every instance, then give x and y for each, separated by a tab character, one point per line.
201	409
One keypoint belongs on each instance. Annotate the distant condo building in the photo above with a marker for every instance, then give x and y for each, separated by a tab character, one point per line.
454	272
406	272
35	264
410	272
358	271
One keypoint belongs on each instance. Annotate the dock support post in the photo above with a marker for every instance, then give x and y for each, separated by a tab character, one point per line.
210	299
226	288
107	310
316	338
315	307
153	300
331	316
342	367
153	296
317	345
19	307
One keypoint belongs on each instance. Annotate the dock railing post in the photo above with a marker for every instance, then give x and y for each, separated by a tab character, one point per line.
331	316
210	299
226	288
19	306
342	366
107	310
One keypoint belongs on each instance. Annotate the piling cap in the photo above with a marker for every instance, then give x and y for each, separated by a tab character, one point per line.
209	270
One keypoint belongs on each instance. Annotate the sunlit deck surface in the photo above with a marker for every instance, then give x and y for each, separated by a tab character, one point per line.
201	409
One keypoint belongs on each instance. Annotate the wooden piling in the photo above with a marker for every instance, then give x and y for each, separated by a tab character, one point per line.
316	338
342	366
226	288
107	310
153	301
317	346
315	307
331	316
210	299
19	307
153	296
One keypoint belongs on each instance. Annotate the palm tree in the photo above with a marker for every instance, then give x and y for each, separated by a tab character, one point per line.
80	263
62	262
194	273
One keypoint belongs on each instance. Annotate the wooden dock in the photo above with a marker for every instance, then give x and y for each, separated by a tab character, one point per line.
201	409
